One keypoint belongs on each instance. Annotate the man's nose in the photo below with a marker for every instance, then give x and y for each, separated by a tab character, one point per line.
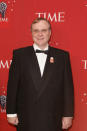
40	33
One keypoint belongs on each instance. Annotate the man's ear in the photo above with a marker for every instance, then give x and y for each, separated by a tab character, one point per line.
50	32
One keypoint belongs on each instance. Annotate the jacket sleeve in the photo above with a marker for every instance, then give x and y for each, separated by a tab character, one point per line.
12	85
68	110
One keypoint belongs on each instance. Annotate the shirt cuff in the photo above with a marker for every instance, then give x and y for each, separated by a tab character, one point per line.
11	115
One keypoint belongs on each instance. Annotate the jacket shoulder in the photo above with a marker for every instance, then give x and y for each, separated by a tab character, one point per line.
21	51
60	51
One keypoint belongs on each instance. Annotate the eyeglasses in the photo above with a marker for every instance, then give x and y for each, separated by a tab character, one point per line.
35	31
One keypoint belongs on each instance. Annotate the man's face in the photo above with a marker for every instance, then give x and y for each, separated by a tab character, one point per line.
41	33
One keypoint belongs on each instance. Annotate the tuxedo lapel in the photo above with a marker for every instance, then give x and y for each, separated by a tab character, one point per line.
34	68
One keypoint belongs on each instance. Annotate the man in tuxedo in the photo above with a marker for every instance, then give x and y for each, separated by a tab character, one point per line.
40	95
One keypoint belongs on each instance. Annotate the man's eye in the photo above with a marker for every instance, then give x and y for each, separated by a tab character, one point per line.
35	31
44	30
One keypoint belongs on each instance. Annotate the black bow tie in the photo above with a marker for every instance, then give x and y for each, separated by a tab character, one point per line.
42	51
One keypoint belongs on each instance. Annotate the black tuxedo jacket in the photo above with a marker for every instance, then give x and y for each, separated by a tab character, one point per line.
40	102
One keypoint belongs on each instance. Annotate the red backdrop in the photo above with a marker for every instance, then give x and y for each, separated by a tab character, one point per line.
69	29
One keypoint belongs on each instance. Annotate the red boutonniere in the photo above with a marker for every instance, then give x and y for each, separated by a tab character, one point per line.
51	60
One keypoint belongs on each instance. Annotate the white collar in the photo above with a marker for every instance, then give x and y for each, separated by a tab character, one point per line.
37	47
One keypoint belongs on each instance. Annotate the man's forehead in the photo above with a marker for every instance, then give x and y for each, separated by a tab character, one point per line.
40	24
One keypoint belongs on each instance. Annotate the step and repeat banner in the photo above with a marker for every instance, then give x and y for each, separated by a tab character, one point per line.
69	32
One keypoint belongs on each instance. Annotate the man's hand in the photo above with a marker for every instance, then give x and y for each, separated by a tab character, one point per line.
13	120
66	122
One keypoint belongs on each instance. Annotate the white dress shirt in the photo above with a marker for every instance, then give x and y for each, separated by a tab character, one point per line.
41	57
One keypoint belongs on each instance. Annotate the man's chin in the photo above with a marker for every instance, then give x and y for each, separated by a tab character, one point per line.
41	44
